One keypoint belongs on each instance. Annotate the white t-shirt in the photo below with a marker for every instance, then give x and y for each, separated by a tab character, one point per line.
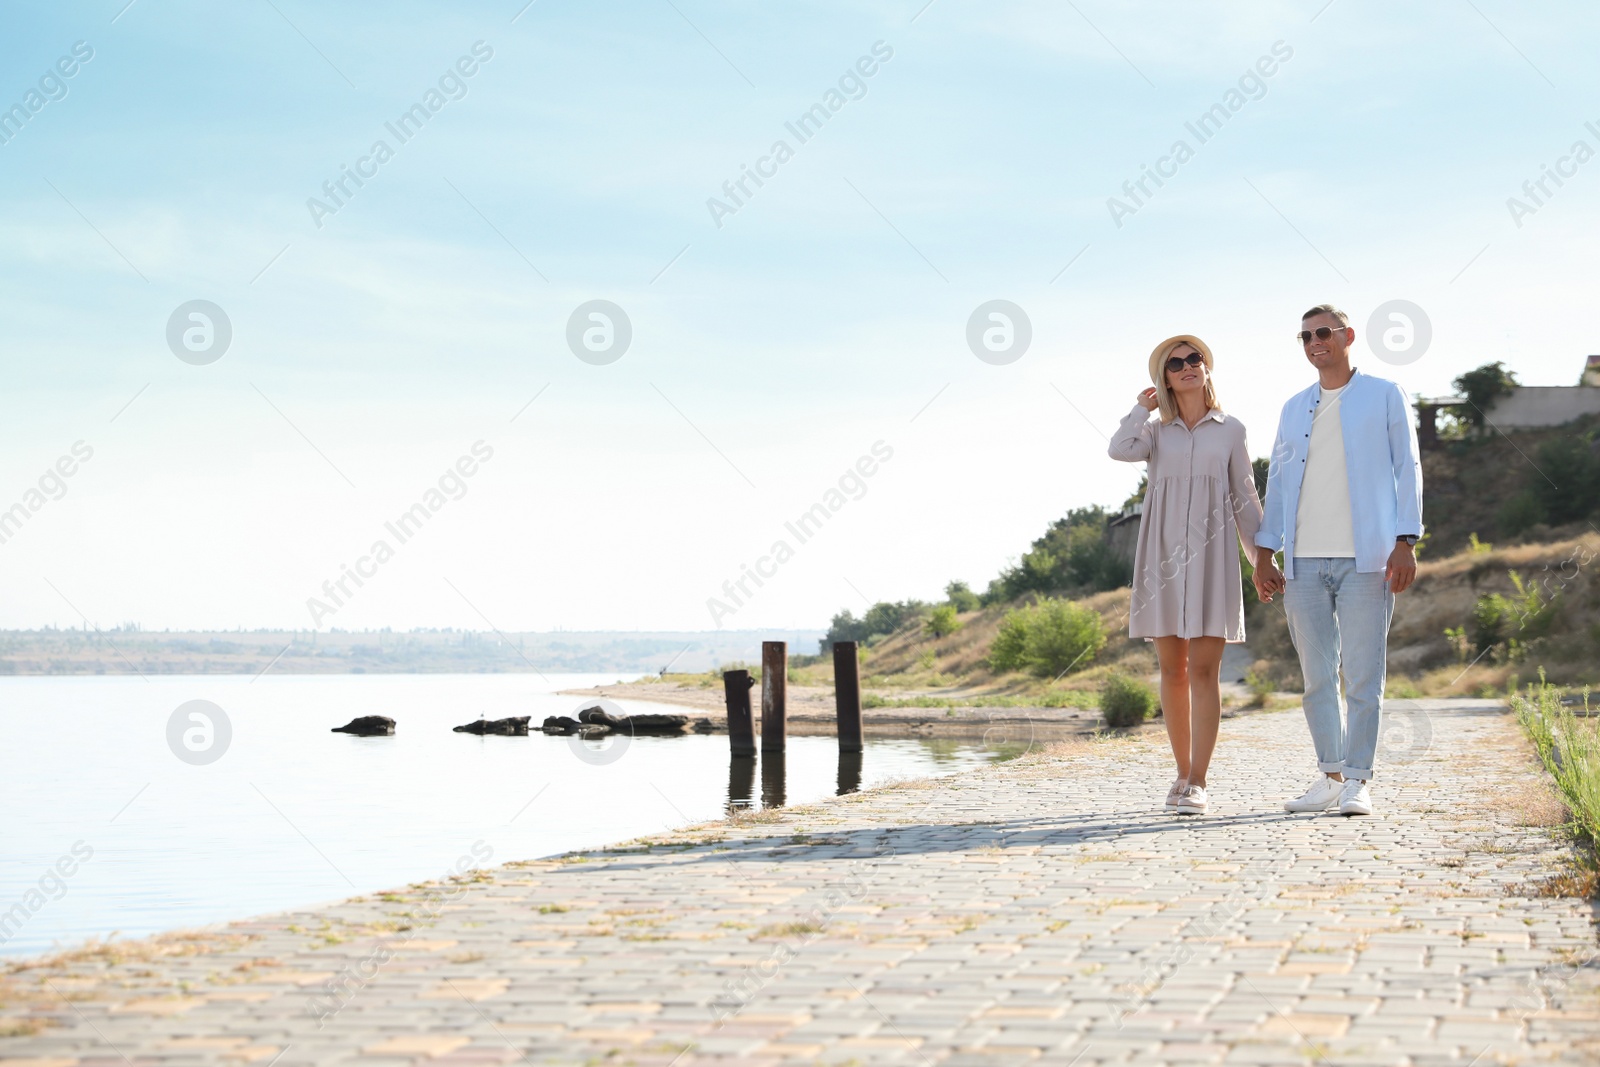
1322	523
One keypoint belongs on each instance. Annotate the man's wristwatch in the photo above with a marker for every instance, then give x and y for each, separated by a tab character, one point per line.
1410	539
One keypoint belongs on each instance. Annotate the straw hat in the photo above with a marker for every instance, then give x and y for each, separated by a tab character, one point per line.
1158	373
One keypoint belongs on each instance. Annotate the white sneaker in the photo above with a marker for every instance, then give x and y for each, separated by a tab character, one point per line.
1354	799
1320	797
1193	801
1174	794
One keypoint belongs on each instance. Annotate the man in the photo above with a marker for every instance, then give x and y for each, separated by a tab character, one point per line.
1344	505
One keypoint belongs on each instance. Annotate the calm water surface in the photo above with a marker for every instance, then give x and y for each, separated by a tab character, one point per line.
292	815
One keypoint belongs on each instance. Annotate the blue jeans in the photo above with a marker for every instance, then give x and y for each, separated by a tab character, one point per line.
1339	623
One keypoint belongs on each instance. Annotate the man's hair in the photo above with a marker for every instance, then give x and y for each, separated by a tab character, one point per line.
1327	309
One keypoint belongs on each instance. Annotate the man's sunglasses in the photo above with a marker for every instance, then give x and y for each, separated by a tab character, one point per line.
1177	363
1321	333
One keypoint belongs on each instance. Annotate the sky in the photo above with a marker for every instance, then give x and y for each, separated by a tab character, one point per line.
424	339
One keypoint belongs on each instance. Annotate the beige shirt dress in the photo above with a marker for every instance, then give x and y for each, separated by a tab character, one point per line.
1186	575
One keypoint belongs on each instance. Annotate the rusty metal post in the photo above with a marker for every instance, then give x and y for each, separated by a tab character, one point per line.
847	694
741	732
774	694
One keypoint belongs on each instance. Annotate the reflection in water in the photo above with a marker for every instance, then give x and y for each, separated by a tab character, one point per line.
849	772
1006	740
741	781
772	779
942	749
1008	750
1002	743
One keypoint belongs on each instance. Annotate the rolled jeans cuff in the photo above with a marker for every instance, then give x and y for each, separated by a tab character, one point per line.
1356	772
1335	767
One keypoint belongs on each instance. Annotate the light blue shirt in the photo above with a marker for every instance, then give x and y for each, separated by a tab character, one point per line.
1381	460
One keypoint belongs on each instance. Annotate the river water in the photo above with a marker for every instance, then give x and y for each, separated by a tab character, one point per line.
119	813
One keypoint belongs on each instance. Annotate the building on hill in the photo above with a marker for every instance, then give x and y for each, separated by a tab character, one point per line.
1525	407
1533	406
1122	532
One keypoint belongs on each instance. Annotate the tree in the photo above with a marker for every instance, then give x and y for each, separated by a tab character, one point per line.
886	617
844	627
1261	466
1072	555
1480	388
960	596
883	617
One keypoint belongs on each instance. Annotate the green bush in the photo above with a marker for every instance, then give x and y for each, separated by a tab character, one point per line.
1126	701
1261	687
1520	511
942	621
1571	479
1513	621
1491	617
960	596
1049	638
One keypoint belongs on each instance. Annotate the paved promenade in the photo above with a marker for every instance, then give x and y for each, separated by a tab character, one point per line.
1041	912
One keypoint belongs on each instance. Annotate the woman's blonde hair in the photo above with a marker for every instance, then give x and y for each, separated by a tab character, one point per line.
1158	374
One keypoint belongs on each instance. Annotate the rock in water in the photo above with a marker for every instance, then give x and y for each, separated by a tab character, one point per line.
367	726
560	724
512	727
598	716
655	724
598	720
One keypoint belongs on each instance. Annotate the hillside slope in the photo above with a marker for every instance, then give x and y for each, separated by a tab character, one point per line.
1555	622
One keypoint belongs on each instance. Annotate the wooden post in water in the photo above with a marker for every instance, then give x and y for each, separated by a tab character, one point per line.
741	733
847	694
774	694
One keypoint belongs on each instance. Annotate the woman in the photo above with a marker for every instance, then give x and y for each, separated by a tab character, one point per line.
1186	586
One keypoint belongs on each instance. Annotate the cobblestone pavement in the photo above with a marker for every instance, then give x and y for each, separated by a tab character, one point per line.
1040	911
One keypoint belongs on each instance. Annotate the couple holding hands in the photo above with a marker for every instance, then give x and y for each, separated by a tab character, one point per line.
1343	505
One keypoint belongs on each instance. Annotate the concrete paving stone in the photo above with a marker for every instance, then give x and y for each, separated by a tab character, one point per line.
1413	1007
1264	1054
1189	1052
1042	1037
1501	1034
832	1029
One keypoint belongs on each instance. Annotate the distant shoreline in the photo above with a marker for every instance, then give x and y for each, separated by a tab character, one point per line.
144	652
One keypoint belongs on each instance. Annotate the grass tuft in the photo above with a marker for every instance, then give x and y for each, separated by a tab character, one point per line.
1569	747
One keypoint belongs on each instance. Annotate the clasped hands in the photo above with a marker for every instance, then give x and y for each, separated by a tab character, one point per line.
1268	578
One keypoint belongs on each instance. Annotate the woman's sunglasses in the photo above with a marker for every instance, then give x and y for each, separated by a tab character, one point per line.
1321	333
1177	363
